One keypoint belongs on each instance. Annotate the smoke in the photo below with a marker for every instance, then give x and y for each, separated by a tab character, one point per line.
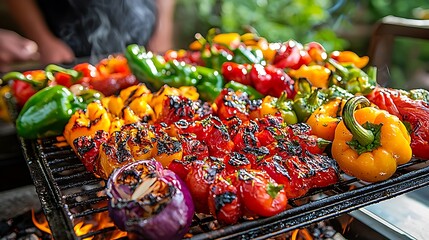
107	26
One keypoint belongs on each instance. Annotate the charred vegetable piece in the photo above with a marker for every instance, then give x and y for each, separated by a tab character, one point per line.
200	177
224	200
149	202
260	193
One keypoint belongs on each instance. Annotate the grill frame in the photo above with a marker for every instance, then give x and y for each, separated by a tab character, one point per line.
50	166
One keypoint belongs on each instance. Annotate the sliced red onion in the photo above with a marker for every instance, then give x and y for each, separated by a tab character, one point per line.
149	202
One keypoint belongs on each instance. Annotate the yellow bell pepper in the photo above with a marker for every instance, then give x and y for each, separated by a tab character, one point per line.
370	143
232	40
131	105
86	123
317	75
158	98
324	120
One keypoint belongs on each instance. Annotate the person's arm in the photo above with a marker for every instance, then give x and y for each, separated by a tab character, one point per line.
162	39
30	19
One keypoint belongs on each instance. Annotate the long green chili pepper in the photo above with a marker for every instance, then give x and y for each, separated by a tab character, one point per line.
150	69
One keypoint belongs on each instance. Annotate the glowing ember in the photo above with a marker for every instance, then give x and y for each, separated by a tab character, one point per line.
82	227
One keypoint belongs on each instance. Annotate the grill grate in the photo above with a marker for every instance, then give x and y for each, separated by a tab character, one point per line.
69	193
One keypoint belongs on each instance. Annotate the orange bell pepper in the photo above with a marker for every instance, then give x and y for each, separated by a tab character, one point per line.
349	57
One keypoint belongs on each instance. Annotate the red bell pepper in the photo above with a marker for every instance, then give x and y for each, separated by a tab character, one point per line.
232	71
267	80
291	54
414	113
25	85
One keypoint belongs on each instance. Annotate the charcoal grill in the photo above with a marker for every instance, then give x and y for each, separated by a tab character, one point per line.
68	192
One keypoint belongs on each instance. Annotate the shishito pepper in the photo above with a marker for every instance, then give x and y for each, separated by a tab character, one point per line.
155	72
47	112
370	143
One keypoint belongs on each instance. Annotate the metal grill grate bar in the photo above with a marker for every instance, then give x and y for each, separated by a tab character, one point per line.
87	202
88	212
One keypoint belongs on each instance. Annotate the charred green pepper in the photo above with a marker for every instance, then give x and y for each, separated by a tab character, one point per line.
47	112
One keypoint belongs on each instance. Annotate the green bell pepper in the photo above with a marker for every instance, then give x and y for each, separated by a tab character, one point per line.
47	112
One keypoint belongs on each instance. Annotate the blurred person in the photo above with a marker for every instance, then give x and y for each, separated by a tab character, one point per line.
65	29
15	48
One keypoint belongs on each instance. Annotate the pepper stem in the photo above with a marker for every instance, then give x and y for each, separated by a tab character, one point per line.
362	135
340	68
51	68
19	76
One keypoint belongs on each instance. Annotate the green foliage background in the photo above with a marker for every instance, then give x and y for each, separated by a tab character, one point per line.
337	24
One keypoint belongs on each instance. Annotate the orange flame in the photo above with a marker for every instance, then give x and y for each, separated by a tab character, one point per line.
99	221
301	234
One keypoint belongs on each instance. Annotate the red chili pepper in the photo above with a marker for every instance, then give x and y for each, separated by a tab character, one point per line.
281	82
270	80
